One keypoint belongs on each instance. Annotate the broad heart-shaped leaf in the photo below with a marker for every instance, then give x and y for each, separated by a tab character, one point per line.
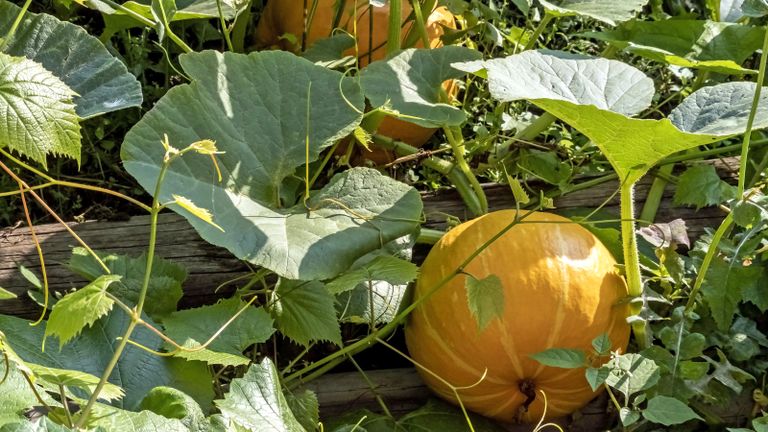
38	113
102	82
79	309
136	373
485	298
721	109
715	46
608	11
304	312
632	146
255	108
164	290
193	327
668	411
533	75
256	401
411	83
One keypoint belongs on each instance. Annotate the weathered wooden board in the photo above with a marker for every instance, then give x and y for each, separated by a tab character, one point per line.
210	266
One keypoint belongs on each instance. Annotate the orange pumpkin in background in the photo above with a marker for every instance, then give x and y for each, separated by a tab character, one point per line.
561	290
287	16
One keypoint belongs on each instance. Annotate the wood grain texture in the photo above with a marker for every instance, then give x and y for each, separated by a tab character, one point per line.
210	266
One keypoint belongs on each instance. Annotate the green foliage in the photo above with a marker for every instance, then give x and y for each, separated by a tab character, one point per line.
192	328
305	408
41	117
305	312
485	298
174	404
723	289
317	238
561	357
82	308
607	11
256	401
700	186
164	290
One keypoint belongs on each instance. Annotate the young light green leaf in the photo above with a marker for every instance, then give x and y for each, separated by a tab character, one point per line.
191	328
305	408
6	295
305	312
700	186
79	309
267	223
196	211
100	81
628	416
411	83
608	11
39	113
391	269
164	290
256	401
631	373
668	411
713	46
723	288
485	298
31	277
561	358
108	418
73	378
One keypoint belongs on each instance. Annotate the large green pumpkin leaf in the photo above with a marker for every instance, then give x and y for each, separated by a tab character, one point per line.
256	401
38	113
411	83
102	82
137	372
632	146
715	46
255	108
193	327
608	11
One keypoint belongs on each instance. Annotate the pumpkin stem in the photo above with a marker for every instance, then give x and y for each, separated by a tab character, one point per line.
528	388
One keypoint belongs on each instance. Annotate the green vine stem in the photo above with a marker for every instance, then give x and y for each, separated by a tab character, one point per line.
536	127
224	28
456	141
16	23
632	260
751	119
136	316
421	27
656	193
393	34
387	329
537	32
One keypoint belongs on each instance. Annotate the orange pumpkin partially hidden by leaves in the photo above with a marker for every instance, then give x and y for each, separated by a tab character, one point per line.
281	17
561	290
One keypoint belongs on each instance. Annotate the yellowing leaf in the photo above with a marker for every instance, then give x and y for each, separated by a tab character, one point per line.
198	212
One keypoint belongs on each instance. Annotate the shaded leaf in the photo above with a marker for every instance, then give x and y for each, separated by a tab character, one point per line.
391	269
73	378
305	408
256	401
262	130
602	344
723	288
411	83
713	46
364	304
191	328
15	395
100	81
113	419
38	113
164	290
700	186
305	312
174	404
79	309
668	411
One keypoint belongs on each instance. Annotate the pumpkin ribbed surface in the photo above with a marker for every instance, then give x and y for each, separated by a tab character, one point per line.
561	290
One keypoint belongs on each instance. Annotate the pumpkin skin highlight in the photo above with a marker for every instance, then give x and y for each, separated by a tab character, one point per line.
561	290
287	16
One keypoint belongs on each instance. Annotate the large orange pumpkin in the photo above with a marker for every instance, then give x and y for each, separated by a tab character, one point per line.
561	290
287	16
